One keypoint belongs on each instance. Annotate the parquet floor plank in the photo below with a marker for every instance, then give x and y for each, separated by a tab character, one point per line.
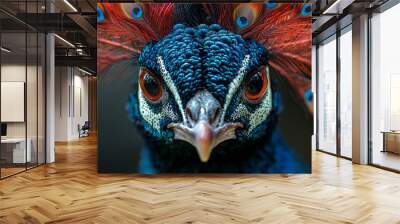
71	191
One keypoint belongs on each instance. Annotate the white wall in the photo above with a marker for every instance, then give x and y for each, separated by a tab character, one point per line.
16	73
61	103
71	102
12	73
81	105
13	101
33	126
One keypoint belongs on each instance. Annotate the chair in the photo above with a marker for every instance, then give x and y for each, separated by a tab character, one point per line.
84	130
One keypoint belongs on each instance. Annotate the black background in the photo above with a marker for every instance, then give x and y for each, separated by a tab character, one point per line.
119	144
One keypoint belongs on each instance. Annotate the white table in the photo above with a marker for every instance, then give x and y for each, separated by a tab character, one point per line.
19	153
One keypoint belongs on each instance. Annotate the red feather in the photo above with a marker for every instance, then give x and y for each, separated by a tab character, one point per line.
286	34
287	37
122	38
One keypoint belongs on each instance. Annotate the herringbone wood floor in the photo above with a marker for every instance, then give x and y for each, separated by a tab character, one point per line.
71	191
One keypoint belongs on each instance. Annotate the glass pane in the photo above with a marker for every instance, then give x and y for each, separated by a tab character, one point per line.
346	94
23	84
327	96
13	88
32	84
31	100
41	98
314	85
385	85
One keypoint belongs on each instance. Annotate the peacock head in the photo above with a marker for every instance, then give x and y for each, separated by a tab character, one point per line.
203	85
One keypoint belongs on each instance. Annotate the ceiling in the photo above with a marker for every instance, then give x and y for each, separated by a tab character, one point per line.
72	20
332	15
75	22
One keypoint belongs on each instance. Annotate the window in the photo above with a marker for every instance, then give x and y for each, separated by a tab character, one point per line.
22	78
385	89
346	92
327	96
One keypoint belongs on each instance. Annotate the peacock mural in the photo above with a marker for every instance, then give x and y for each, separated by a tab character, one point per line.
205	97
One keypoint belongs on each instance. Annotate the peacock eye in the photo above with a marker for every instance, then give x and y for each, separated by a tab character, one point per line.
132	10
256	86
245	15
271	5
150	85
100	14
306	10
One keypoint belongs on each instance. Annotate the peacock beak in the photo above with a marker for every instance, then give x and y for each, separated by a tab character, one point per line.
203	129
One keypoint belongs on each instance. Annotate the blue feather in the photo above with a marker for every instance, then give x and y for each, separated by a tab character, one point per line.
209	57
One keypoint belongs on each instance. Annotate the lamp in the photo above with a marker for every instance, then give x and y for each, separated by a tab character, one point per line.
5	50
